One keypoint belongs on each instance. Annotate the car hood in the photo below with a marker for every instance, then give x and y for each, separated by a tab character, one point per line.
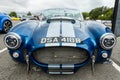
60	33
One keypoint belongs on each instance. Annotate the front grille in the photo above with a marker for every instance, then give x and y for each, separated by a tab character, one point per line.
60	55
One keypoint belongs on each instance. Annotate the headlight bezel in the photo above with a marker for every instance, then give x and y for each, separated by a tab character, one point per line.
103	37
15	36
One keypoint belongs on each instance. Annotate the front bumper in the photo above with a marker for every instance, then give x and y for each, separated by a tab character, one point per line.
62	65
58	68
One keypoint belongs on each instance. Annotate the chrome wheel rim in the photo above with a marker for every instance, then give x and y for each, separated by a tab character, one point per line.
7	25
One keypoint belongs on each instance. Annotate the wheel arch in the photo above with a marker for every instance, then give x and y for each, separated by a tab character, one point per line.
3	20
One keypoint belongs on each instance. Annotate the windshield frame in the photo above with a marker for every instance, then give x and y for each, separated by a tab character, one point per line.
51	13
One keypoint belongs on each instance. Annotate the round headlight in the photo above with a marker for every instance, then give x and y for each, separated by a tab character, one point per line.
108	41
12	40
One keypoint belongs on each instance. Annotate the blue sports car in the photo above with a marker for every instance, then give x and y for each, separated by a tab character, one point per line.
5	22
61	42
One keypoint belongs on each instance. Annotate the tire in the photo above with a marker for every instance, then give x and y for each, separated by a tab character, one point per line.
6	26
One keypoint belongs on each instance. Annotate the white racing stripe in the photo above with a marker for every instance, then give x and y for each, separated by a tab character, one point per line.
116	66
53	31
3	50
68	31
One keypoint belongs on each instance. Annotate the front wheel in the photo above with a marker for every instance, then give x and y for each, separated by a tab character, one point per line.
6	26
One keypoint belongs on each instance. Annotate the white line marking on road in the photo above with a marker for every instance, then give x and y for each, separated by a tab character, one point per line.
3	50
116	66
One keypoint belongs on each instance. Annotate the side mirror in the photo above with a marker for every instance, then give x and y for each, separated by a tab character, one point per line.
116	19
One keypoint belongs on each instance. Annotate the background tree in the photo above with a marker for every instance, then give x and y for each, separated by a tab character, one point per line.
101	17
29	13
94	13
85	15
109	14
13	14
102	13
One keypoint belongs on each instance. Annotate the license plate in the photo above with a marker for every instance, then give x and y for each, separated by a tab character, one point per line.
60	40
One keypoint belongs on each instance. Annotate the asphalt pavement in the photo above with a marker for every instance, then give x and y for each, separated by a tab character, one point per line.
10	70
116	52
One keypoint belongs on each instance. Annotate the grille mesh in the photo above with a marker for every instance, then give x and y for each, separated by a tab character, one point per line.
60	55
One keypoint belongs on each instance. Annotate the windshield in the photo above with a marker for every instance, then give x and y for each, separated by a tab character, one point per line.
62	12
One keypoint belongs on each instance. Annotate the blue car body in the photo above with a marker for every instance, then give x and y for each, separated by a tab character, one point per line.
3	18
60	33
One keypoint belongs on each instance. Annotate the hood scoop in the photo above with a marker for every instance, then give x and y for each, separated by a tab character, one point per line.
61	19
